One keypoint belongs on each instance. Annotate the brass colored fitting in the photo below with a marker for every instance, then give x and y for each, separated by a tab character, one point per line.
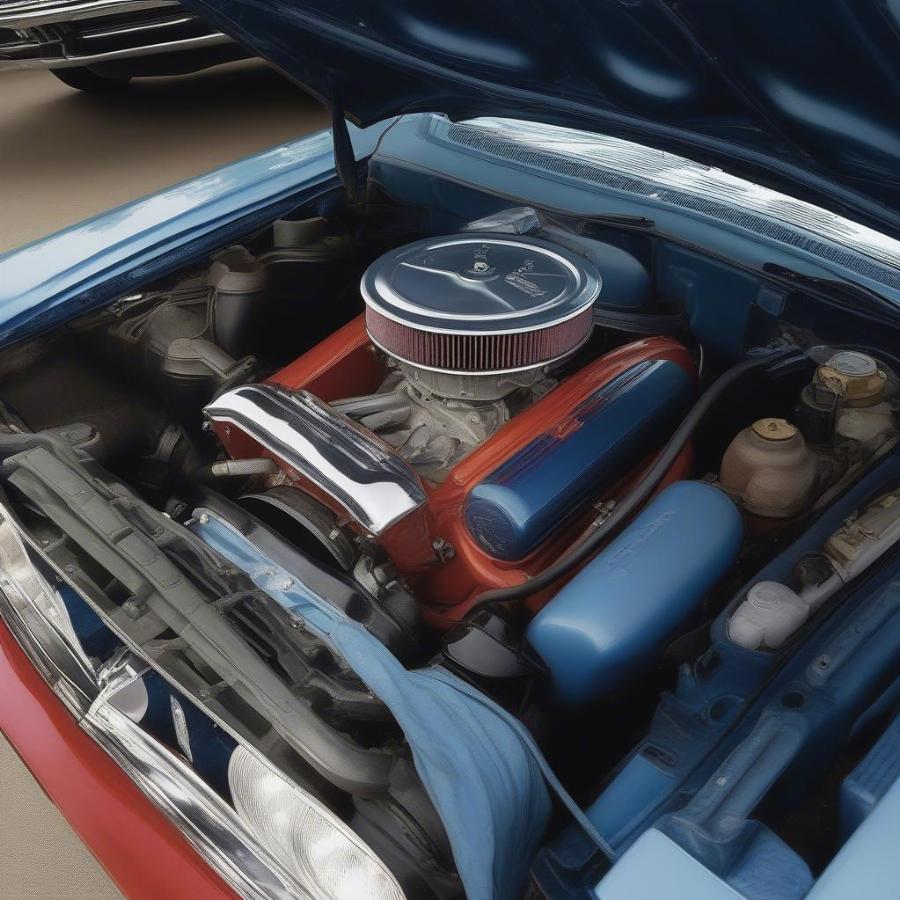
854	376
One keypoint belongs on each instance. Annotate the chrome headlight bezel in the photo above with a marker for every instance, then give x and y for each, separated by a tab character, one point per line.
223	837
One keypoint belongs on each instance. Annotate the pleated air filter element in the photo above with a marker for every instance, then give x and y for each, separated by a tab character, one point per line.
478	304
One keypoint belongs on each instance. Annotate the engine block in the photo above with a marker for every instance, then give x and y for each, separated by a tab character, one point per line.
468	479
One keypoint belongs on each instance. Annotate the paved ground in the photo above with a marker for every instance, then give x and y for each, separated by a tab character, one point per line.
65	156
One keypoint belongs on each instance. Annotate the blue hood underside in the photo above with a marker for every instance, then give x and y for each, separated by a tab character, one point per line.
800	96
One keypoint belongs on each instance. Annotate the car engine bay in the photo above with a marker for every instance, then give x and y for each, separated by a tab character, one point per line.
508	452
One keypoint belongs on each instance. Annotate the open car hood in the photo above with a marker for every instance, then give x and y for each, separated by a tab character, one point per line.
801	96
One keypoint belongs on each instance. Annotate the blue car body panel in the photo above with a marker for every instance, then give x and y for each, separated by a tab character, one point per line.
416	161
798	94
103	258
656	867
430	161
868	865
868	783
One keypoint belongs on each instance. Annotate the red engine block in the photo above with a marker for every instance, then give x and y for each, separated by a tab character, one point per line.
346	364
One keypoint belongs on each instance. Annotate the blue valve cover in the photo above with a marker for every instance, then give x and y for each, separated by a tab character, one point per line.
616	615
536	490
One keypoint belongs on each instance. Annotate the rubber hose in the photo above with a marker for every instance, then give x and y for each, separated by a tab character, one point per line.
623	511
639	322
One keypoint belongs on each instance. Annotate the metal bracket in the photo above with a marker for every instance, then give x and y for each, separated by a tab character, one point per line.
344	158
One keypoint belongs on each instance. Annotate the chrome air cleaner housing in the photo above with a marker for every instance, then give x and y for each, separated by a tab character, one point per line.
479	304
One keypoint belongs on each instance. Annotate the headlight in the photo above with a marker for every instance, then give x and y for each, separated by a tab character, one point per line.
22	583
324	854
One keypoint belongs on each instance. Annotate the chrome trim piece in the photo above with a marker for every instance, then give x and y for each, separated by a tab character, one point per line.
210	825
33	13
668	179
108	31
493	317
63	62
374	485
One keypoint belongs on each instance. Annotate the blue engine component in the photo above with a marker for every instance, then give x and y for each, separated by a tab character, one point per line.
626	283
864	787
614	617
716	705
527	498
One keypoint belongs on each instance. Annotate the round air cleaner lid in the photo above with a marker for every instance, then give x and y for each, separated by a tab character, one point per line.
446	302
477	283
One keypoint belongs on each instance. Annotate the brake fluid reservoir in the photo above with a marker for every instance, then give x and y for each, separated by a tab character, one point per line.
856	377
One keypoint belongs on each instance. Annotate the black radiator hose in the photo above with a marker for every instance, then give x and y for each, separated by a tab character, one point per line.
630	322
763	359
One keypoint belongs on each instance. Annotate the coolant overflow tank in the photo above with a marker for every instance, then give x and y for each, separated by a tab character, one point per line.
616	616
769	469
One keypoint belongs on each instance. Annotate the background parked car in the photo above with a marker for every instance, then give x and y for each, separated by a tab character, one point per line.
100	45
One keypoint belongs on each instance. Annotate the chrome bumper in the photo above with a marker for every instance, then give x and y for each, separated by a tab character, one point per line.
52	34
